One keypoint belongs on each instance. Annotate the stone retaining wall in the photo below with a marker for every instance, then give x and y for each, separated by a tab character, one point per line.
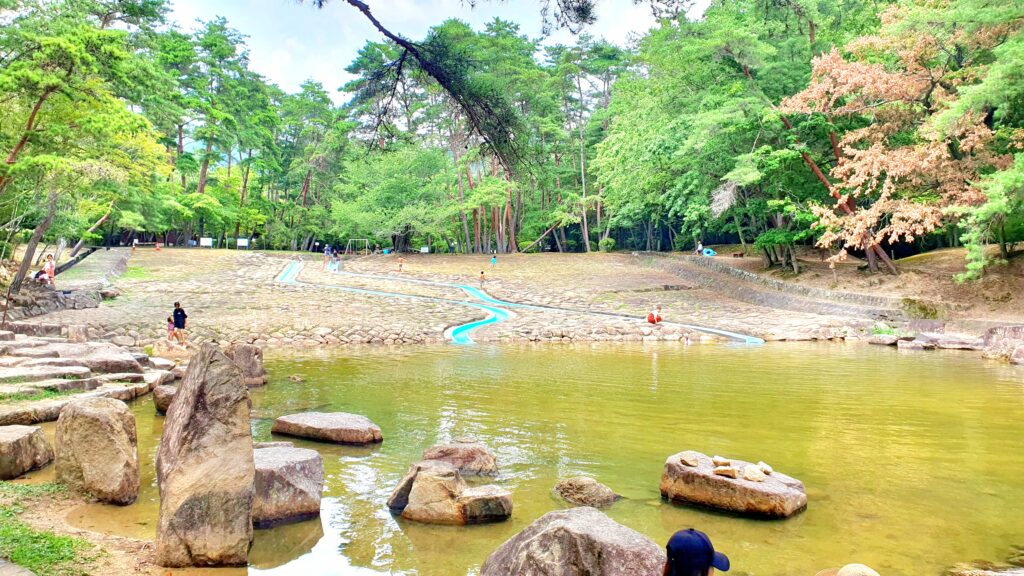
757	289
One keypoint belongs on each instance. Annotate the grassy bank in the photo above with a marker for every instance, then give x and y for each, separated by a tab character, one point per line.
42	552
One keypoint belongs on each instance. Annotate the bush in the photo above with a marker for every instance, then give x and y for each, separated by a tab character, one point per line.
607	244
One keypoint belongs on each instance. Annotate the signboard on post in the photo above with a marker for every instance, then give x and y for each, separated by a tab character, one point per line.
242	242
206	242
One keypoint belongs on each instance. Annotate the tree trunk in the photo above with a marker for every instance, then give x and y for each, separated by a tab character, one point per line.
245	189
30	126
93	228
37	235
205	167
181	150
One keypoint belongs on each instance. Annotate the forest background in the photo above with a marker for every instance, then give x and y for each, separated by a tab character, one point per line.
869	129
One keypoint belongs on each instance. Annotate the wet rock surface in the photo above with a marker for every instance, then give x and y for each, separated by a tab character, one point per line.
289	482
97	450
205	468
469	457
433	492
778	496
22	449
584	491
574	542
337	427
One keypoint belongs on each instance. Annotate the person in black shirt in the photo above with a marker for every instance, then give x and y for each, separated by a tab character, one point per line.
180	323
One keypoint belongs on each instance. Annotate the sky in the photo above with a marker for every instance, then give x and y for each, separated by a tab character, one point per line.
291	41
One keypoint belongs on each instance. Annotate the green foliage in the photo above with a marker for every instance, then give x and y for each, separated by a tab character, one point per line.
45	553
606	244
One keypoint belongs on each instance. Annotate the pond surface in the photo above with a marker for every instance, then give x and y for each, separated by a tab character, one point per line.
912	461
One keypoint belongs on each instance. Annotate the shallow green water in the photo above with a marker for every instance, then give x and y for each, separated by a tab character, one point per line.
912	461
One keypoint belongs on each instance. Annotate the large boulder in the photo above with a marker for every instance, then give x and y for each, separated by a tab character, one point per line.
205	467
22	449
469	457
583	491
97	450
576	542
433	492
337	427
693	478
162	396
249	360
288	485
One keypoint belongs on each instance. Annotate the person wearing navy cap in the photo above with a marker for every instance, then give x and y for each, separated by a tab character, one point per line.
690	553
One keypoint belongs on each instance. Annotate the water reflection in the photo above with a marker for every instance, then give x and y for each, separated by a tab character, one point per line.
919	455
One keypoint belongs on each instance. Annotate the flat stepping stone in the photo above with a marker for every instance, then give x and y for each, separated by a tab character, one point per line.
37	373
162	396
288	485
690	477
337	427
22	449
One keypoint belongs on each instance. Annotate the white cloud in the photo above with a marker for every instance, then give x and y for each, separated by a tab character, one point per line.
290	42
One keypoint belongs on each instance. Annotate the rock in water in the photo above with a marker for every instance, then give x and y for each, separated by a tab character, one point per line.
583	491
433	492
97	450
162	396
576	542
288	485
205	467
22	449
469	457
249	360
338	427
778	496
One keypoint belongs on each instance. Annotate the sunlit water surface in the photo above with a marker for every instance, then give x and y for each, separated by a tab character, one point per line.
912	461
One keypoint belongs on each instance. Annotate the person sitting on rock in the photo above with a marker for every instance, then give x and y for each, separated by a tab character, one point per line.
654	316
690	553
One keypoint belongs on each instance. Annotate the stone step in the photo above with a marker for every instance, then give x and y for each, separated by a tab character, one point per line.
133	377
18	374
64	385
9	569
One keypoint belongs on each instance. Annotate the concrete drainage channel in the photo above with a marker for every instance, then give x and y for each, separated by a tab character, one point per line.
497	310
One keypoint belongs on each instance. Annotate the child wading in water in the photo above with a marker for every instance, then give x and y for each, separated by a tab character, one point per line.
401	261
482	278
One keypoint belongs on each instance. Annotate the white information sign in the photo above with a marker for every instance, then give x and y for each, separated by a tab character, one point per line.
242	242
206	242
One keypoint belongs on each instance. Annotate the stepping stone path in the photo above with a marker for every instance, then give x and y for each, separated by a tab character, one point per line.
337	427
9	569
469	457
576	541
289	481
690	478
22	449
433	492
583	491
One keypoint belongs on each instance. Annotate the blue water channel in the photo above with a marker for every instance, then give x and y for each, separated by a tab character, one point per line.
460	334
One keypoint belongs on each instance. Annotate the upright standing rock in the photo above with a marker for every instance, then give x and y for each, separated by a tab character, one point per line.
249	359
97	449
205	467
574	542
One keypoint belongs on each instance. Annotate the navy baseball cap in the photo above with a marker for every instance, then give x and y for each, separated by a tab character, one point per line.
692	550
